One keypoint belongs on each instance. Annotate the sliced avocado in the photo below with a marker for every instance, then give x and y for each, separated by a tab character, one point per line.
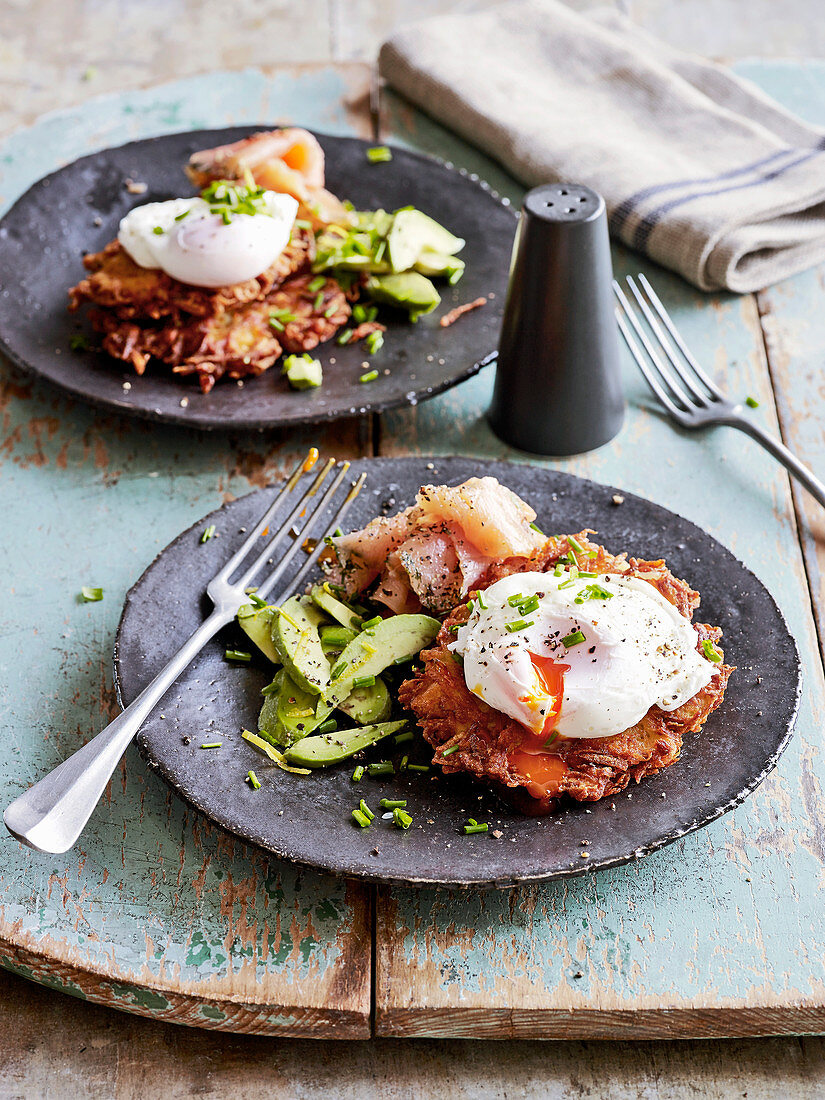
298	644
290	713
256	623
439	263
396	639
332	748
410	291
303	372
411	233
368	704
335	608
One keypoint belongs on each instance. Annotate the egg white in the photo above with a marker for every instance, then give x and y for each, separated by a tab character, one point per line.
637	651
182	238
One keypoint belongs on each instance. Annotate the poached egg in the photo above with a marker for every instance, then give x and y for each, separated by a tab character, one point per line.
574	655
186	240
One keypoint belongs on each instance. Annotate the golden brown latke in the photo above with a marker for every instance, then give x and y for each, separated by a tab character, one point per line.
585	769
237	342
137	293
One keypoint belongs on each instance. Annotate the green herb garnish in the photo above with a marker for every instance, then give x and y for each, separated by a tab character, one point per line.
91	595
237	655
368	376
379	154
393	803
385	767
209	532
253	780
475	827
710	651
78	342
360	819
519	624
374	342
358	774
451	750
576	638
751	402
401	818
211	744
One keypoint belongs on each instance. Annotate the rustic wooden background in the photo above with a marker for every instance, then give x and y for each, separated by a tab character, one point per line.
51	56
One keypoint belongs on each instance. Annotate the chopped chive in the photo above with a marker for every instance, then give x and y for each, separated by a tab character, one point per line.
569	557
401	660
370	623
575	545
454	628
336	534
158	230
253	781
519	624
531	604
237	655
359	314
91	595
374	342
363	682
270	688
383	768
418	767
553	737
331	310
711	652
314	285
534	527
576	638
211	744
402	767
337	669
568	582
368	376
557	572
515	600
319	301
459	660
343	337
482	605
393	803
255	599
751	402
365	810
468	830
451	750
379	154
403	737
360	819
78	342
401	818
301	223
208	533
328	726
358	774
276	323
180	217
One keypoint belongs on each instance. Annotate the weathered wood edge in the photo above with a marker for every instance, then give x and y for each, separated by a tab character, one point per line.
161	1002
665	1023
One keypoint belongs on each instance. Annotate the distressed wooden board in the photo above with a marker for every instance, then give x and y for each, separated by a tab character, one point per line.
154	911
722	934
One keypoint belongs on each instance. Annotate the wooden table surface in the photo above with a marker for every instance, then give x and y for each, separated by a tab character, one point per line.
719	934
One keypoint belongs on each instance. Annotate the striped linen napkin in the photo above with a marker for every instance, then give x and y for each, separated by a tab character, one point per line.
700	170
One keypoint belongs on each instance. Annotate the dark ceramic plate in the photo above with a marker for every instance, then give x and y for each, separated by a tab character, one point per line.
214	700
44	235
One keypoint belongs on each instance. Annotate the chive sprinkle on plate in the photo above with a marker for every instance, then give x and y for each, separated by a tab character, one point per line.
379	154
91	595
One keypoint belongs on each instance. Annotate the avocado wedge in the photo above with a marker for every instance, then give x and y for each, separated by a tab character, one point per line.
298	643
335	608
368	704
290	713
392	640
411	233
256	623
332	748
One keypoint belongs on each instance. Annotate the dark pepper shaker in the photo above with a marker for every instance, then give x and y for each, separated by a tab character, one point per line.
558	387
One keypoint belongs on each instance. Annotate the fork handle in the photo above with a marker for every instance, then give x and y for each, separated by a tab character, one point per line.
51	815
791	463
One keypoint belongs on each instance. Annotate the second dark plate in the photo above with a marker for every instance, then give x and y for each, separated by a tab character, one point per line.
79	207
307	818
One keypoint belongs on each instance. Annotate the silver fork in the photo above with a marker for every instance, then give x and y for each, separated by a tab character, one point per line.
690	397
51	815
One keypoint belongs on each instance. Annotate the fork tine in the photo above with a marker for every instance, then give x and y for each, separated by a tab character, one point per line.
649	376
664	375
279	570
300	509
355	489
656	302
667	347
304	466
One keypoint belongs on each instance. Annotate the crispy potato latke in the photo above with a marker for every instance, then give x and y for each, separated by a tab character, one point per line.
145	314
485	742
